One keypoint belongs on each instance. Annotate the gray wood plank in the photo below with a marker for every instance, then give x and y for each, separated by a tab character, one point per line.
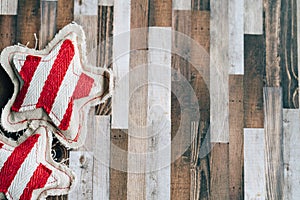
236	36
81	162
86	7
273	142
101	151
105	2
121	48
253	17
219	68
159	113
254	166
291	129
181	4
8	7
298	40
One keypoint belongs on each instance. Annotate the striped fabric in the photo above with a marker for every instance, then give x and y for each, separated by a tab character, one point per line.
52	82
24	171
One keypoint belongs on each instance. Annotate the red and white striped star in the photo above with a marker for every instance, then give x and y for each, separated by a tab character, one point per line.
27	170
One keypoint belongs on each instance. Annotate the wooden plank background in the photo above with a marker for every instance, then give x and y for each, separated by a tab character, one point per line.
247	96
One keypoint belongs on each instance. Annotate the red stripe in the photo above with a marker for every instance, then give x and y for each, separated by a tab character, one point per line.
14	162
82	89
37	181
56	76
30	65
1	145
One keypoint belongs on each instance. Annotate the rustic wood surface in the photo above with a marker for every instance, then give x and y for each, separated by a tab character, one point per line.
253	17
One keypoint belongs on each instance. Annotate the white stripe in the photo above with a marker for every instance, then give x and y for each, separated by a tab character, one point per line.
5	152
65	92
24	174
19	60
38	80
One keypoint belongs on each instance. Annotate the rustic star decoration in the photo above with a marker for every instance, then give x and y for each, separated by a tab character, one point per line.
27	170
53	87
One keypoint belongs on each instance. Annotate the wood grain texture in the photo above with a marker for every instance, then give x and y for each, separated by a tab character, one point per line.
81	163
298	43
48	22
28	22
291	153
236	140
219	66
236	36
105	2
219	171
201	5
254	78
86	7
160	13
273	142
121	24
272	35
253	17
65	13
254	178
8	7
288	54
182	5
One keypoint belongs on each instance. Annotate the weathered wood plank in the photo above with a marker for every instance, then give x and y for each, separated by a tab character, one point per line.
253	17
86	7
160	13
298	42
8	7
159	113
105	2
101	152
65	13
291	153
201	5
48	22
273	142
81	163
120	100
219	171
219	66
182	5
254	81
272	35
254	166
236	141
236	36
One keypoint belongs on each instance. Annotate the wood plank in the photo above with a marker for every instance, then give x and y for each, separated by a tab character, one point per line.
253	17
254	81
219	66
159	113
182	5
65	13
236	141
28	22
298	42
105	2
219	171
8	7
86	7
236	36
273	142
272	37
48	22
160	13
101	153
120	100
118	165
81	163
201	5
254	166
291	153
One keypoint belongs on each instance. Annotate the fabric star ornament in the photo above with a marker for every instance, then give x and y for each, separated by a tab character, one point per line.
27	170
55	86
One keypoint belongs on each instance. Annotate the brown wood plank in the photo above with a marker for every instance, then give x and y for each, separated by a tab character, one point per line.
160	13
254	78
273	143
28	22
236	141
65	13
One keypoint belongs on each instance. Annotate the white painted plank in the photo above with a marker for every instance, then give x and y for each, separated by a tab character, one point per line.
182	5
105	2
291	130
219	71
86	7
121	48
101	152
236	36
81	163
254	167
158	178
8	7
253	17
